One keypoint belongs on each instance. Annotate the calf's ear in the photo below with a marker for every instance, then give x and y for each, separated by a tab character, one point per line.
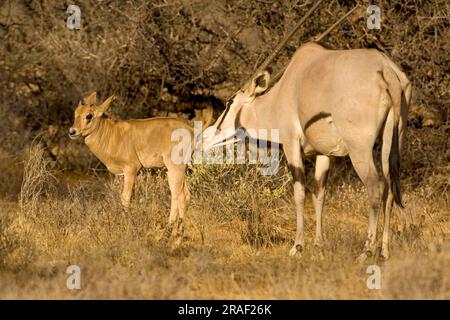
91	99
105	105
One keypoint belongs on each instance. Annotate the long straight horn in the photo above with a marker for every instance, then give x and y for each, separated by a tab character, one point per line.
270	58
278	75
324	34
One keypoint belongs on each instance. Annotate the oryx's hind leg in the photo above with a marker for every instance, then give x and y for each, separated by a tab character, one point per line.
320	178
364	165
388	196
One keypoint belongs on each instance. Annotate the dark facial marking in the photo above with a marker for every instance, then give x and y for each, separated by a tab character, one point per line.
227	108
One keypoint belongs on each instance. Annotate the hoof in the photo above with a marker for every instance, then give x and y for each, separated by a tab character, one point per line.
297	248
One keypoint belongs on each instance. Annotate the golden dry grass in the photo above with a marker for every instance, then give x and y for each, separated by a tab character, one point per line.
239	230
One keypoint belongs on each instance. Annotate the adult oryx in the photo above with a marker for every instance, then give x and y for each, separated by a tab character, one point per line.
329	103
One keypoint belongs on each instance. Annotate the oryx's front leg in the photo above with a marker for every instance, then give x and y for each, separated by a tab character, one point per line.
293	155
320	179
128	183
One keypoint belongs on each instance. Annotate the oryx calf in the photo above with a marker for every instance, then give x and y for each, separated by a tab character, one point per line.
125	146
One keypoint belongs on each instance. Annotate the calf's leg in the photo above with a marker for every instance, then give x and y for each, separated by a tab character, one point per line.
178	205
128	183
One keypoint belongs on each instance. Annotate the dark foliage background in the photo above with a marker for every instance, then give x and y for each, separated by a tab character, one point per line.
177	56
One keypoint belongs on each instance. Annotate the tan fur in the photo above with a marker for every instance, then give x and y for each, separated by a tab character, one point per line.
330	103
126	146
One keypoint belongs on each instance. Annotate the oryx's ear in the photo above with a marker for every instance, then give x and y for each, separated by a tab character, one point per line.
261	82
105	105
91	99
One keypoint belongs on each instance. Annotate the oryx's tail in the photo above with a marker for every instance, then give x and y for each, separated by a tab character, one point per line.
395	92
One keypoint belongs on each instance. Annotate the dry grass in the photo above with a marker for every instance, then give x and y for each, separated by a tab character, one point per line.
239	230
37	180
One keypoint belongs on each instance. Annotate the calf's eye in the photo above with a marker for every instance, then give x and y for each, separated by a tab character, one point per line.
89	117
